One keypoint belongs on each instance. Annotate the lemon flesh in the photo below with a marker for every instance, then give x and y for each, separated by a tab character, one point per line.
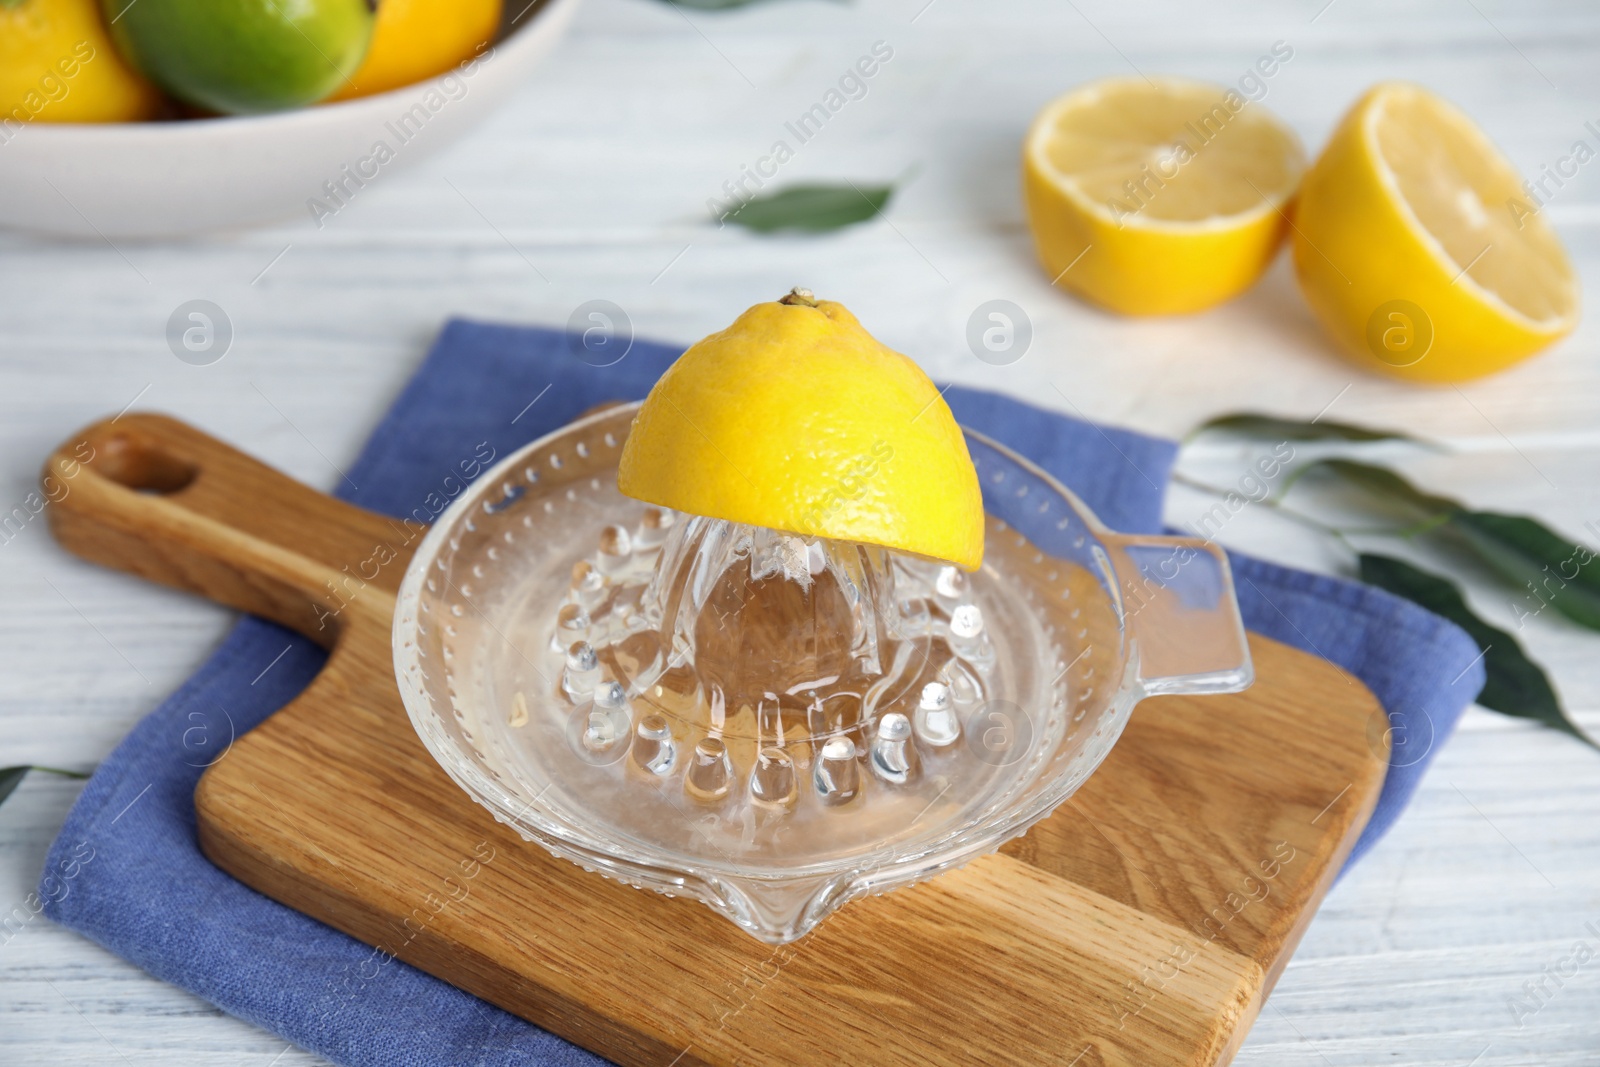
1419	249
1158	197
797	419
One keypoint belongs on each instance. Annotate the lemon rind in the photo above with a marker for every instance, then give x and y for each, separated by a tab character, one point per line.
1391	184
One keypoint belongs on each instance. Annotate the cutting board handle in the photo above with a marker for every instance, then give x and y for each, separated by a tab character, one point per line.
154	496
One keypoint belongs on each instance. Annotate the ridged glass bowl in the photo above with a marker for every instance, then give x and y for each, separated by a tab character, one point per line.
777	725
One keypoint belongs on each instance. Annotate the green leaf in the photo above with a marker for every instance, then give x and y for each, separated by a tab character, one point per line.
1564	574
10	778
1386	487
1272	428
812	208
1515	685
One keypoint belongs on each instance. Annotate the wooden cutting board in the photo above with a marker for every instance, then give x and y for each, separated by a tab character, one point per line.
1142	924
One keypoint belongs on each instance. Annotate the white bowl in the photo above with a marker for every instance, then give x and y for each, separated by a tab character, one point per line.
158	179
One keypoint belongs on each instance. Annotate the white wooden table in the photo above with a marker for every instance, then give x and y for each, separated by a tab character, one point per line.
596	178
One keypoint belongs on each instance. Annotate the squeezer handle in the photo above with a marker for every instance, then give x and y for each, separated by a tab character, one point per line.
1181	615
156	497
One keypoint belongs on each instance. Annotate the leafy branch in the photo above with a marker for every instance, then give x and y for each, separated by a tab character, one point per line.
1547	568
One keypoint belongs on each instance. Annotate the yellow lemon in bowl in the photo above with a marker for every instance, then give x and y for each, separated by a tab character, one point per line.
797	419
1419	249
418	39
57	64
1162	196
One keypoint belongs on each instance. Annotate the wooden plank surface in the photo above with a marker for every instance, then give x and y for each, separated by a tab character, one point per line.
1490	876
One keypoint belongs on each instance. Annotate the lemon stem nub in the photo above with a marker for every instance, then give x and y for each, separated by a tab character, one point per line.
797	295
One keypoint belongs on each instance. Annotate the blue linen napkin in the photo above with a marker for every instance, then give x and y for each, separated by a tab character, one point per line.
126	870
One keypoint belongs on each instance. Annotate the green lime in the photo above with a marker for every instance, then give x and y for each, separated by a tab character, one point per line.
243	56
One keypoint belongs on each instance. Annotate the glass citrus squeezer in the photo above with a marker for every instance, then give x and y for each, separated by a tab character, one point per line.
778	723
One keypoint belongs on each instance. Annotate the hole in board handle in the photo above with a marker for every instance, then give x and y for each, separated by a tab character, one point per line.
144	466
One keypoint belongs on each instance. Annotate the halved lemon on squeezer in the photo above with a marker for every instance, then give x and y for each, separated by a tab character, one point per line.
797	419
785	634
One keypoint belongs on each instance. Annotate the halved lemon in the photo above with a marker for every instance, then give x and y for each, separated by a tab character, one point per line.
1419	248
795	418
1158	197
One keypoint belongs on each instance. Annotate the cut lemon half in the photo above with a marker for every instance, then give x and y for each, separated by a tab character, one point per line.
797	419
1420	249
1158	197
